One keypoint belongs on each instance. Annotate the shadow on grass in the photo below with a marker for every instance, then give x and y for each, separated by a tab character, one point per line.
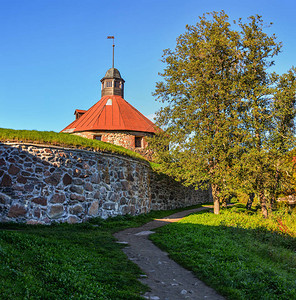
63	261
239	263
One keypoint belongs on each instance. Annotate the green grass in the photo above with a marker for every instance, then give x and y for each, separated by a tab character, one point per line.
80	261
63	140
238	253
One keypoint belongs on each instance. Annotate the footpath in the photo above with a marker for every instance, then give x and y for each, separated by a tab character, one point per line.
167	280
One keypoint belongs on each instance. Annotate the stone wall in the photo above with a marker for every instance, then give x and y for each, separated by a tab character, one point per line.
166	193
45	184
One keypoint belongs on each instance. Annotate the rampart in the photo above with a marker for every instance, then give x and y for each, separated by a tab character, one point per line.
42	184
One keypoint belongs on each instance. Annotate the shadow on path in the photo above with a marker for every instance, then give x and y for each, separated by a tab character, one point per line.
167	280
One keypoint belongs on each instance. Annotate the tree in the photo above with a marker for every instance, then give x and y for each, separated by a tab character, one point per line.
282	137
256	85
219	98
273	165
201	126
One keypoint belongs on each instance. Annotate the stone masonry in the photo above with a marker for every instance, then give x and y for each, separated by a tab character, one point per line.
125	139
44	184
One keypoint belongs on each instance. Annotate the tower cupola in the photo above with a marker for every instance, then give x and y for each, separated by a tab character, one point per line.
112	83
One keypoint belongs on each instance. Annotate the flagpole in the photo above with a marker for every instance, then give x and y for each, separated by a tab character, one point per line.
112	37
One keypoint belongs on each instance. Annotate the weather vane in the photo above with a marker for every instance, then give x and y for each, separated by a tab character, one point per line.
112	37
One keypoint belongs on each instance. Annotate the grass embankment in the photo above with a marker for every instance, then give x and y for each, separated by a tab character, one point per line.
80	261
63	140
241	255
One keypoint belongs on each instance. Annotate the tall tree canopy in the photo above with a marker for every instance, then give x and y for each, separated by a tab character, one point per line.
220	106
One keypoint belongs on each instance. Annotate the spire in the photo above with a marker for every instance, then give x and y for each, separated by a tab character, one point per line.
112	37
112	82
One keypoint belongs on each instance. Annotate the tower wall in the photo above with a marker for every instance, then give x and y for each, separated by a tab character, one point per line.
126	139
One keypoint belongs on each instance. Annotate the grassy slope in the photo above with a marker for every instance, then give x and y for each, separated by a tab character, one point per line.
240	255
64	140
80	261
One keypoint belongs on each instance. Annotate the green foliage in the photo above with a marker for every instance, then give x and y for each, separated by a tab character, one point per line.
80	261
200	84
225	114
271	126
284	110
240	254
63	140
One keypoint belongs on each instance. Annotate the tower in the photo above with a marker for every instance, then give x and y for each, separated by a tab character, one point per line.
112	83
112	119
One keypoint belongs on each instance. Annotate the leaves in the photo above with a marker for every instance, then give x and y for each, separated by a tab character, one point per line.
223	107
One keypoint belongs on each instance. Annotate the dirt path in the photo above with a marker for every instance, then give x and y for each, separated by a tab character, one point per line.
166	279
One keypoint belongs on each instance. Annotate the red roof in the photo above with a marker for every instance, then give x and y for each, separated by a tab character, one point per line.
112	112
79	111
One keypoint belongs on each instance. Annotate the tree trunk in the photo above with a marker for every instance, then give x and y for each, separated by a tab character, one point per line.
250	201
263	204
215	191
272	202
276	187
224	203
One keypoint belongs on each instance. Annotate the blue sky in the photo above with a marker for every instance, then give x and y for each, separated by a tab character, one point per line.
53	53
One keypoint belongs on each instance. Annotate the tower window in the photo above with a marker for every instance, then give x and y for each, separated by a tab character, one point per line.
98	137
116	83
138	142
109	83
